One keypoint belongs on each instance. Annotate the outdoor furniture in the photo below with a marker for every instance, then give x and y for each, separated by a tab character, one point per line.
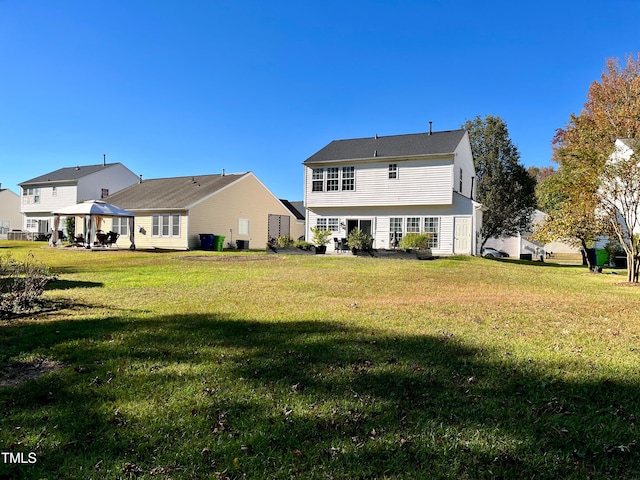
344	246
106	239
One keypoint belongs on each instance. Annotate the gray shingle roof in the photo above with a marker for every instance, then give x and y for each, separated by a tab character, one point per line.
389	146
68	174
296	208
176	193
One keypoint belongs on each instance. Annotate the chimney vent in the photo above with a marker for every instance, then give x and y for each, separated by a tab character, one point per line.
376	136
223	172
104	159
140	181
375	153
430	128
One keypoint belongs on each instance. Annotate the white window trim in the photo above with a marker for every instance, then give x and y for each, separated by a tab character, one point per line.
171	225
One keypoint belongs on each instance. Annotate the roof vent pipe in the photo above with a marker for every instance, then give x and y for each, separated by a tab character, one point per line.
104	159
375	153
223	172
376	136
430	128
140	181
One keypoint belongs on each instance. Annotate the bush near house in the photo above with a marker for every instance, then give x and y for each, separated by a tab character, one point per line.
22	283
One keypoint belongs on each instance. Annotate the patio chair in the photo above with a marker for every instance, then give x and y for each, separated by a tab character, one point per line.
112	237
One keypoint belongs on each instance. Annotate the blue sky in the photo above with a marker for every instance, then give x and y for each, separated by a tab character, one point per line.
172	88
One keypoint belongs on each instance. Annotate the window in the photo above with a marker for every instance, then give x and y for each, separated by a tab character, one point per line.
32	224
348	178
332	179
120	225
395	231
30	195
333	224
54	191
413	225
104	193
393	170
166	225
321	223
460	181
317	180
243	226
431	225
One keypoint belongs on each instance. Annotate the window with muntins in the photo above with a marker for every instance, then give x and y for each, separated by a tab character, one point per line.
395	231
393	170
333	224
348	178
321	223
30	195
413	225
332	179
317	180
432	226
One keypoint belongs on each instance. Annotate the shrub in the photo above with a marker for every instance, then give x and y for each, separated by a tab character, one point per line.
70	227
359	240
302	244
321	237
417	241
284	241
21	284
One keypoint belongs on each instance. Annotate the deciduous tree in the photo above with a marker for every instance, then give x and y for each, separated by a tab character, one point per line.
585	178
504	186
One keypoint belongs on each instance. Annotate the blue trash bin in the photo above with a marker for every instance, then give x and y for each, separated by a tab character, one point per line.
206	240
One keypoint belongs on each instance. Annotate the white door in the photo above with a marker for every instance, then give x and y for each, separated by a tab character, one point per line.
462	240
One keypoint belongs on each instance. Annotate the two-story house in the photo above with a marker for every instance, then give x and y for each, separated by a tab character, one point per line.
10	218
389	186
67	186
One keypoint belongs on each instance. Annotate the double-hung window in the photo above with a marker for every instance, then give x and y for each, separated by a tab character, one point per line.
413	225
348	178
395	231
432	227
332	179
317	180
30	195
321	223
393	170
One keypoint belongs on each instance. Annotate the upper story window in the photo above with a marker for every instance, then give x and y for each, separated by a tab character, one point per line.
30	195
460	181
317	180
54	191
332	179
348	178
393	170
104	193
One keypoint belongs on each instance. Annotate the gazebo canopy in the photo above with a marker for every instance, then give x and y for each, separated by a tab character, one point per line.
96	210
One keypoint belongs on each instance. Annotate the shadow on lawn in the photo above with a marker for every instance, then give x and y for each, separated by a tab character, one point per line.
69	284
307	398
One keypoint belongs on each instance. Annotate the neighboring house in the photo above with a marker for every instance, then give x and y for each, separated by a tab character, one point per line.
68	186
10	218
389	186
522	245
171	213
297	208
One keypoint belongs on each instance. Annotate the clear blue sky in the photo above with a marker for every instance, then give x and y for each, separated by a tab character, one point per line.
188	87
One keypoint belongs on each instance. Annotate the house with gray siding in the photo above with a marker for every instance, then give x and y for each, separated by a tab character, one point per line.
389	186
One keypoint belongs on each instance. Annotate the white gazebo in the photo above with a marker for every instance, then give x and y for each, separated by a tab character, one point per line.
95	211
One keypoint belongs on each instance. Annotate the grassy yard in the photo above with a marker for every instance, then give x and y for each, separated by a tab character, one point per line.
246	365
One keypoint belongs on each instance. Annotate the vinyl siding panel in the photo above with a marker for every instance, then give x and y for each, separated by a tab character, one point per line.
418	182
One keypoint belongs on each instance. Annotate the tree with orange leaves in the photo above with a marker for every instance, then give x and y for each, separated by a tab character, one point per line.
583	149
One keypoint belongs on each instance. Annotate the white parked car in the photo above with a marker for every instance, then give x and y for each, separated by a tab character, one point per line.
489	252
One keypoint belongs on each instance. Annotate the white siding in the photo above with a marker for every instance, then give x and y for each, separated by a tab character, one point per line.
113	177
418	182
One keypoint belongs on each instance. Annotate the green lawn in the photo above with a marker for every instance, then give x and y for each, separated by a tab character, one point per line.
245	365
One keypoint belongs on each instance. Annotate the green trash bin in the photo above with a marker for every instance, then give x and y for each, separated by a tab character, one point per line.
602	257
218	243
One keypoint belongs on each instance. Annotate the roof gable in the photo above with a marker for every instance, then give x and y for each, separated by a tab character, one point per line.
69	174
176	193
410	145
